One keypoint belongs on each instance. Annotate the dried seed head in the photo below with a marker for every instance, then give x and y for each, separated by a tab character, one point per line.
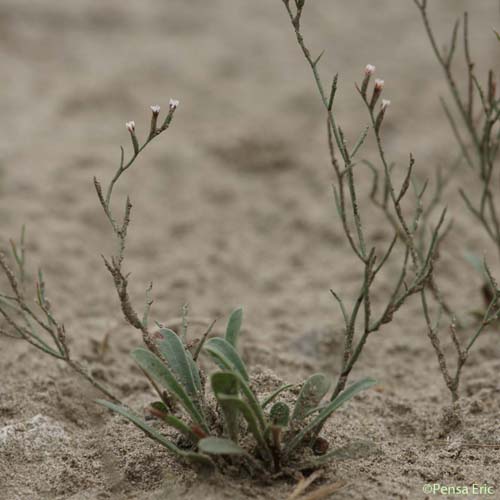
155	109
369	69
130	126
173	103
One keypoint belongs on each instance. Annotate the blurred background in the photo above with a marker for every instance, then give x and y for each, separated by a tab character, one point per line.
233	204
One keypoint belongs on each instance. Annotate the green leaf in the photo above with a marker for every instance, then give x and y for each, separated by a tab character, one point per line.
252	401
160	407
313	391
190	456
225	355
196	373
240	405
343	397
276	393
280	414
160	411
227	358
227	384
180	362
161	374
234	326
220	446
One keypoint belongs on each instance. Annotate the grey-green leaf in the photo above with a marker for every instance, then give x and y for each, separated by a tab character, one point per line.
240	405
179	425
234	326
280	414
220	446
180	362
344	396
225	355
157	436
313	391
162	375
227	384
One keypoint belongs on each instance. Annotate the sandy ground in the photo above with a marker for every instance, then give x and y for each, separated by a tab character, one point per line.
232	206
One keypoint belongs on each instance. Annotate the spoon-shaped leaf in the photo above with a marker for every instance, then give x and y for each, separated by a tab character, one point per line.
220	446
226	384
234	326
179	361
162	375
241	406
157	436
227	358
324	414
280	414
225	355
252	401
313	391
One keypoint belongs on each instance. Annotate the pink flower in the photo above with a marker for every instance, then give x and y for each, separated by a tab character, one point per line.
130	126
385	103
379	84
155	109
369	70
173	103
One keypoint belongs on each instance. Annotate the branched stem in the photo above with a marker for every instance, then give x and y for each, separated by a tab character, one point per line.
114	264
346	199
481	147
21	318
480	151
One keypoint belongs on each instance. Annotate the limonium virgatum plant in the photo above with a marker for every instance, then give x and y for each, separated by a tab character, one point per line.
233	424
477	132
224	421
214	435
421	242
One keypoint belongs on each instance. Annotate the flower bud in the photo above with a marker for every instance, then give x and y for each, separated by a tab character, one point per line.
385	103
378	122
369	70
155	110
131	128
377	90
172	106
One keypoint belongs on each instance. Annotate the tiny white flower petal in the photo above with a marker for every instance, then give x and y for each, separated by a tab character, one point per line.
385	103
369	69
130	126
155	109
379	84
173	103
